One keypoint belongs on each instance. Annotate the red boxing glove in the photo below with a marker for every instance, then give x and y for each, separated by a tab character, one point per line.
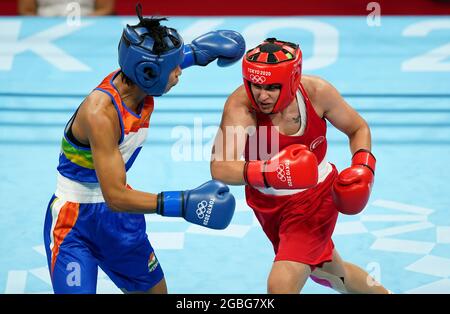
352	188
295	167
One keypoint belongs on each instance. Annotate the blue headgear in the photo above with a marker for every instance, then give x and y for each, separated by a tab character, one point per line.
148	70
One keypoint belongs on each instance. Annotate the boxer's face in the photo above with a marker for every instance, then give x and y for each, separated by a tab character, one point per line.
173	78
266	96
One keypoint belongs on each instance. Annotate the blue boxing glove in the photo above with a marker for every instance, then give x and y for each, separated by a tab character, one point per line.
210	205
226	45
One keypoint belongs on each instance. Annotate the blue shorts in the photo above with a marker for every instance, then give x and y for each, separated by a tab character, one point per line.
80	237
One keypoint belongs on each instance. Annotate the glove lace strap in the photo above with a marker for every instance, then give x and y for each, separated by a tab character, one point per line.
183	205
364	157
257	173
160	204
245	172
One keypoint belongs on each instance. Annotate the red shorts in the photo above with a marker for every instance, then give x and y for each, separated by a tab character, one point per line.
299	226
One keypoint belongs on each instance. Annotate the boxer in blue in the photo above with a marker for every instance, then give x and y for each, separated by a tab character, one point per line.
95	219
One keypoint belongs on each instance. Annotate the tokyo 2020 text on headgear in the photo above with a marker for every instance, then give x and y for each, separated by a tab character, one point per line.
149	52
273	62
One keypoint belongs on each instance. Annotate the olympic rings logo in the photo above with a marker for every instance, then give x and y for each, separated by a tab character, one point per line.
314	144
201	209
257	79
281	175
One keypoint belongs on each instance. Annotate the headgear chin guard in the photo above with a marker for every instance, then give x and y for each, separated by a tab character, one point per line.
138	60
273	62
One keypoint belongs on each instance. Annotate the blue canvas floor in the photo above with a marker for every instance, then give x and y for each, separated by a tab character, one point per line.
395	75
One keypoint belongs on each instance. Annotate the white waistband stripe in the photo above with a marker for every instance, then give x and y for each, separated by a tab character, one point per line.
78	192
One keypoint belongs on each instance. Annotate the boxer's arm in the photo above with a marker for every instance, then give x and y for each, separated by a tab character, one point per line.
342	115
352	188
101	127
226	164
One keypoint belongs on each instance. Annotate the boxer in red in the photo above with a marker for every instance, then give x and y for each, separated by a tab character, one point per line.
277	121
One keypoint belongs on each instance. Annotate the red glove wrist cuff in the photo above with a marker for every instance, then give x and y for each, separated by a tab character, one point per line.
253	173
365	158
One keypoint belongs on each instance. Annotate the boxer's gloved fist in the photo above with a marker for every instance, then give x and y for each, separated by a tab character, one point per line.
295	167
210	205
225	45
352	188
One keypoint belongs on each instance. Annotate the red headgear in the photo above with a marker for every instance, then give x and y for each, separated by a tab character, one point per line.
273	62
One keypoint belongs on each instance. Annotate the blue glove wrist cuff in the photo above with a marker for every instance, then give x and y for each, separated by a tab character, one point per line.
171	204
189	58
